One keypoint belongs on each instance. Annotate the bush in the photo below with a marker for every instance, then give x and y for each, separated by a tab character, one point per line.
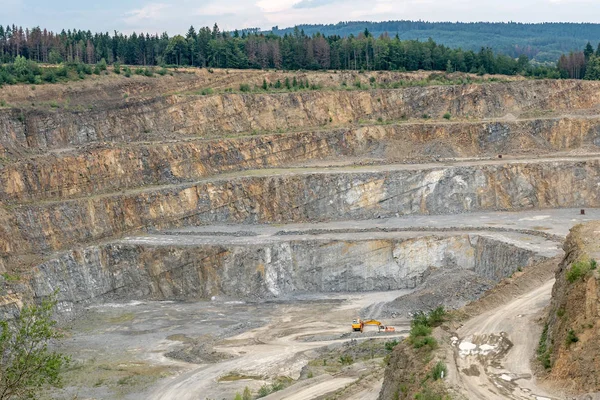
206	92
139	71
244	87
420	330
543	353
437	316
27	363
389	346
346	360
162	71
447	116
439	371
148	72
571	337
102	65
578	270
426	341
117	68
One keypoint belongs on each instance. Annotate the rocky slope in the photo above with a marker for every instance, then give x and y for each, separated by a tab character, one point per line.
569	347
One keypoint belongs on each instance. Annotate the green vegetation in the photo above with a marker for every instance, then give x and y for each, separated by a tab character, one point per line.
542	42
421	327
10	277
213	48
439	371
571	337
280	384
27	363
447	116
580	269
346	360
543	351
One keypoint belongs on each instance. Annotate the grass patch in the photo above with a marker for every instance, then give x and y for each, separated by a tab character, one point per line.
11	277
236	376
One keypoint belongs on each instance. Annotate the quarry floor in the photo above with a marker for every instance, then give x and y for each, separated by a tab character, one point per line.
217	348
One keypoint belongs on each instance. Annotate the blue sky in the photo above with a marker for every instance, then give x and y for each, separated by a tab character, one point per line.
176	16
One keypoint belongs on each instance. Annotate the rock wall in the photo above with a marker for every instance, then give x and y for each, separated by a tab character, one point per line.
256	271
213	116
573	324
110	168
307	196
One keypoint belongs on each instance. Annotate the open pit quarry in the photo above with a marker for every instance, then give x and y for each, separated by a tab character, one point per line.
205	244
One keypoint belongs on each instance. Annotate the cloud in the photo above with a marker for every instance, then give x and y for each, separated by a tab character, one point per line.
313	3
150	12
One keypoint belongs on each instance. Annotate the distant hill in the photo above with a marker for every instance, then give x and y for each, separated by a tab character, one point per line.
542	42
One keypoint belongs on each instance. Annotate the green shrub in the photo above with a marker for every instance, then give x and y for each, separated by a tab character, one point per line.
447	116
139	71
148	72
244	87
206	92
102	65
162	71
247	395
571	337
439	371
437	316
264	391
578	270
117	68
346	360
419	330
425	341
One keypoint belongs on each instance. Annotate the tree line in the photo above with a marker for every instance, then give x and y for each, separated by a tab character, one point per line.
214	48
542	42
581	65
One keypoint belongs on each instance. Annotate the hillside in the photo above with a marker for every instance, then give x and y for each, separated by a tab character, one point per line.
542	42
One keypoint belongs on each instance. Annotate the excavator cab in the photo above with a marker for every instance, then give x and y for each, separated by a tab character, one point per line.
357	325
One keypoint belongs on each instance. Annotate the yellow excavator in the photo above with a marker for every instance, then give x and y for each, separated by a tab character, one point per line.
359	325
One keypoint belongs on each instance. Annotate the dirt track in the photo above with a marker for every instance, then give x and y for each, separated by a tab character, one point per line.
504	372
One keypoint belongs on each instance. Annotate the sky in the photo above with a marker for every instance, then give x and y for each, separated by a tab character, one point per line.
176	16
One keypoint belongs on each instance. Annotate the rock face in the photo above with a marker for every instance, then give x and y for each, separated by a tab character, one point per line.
103	169
308	196
75	179
213	116
128	270
571	345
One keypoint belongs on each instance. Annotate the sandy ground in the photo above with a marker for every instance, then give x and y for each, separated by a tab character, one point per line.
119	349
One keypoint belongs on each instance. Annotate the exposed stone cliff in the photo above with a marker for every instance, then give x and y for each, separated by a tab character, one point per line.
570	346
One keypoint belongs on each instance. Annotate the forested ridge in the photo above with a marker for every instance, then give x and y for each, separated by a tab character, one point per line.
21	50
539	41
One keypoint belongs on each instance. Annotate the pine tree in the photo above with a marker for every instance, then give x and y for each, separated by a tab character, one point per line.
589	51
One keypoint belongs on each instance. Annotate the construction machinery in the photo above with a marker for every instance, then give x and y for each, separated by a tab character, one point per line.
359	325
